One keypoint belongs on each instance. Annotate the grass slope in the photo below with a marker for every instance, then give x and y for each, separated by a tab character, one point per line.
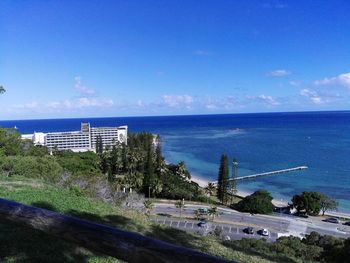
22	245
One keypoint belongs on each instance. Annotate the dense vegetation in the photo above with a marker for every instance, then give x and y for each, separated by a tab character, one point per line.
18	244
312	248
313	202
223	180
138	166
258	203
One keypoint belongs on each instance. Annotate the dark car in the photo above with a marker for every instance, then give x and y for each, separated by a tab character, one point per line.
249	230
332	220
202	224
347	223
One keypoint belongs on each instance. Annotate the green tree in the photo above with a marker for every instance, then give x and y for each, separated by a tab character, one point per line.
99	145
10	142
197	214
328	203
210	189
258	203
223	180
213	212
180	205
308	202
148	204
2	90
149	177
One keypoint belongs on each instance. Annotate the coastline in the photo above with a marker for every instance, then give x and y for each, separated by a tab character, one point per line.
278	203
203	183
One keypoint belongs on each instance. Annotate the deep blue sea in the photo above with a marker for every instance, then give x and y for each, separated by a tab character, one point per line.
260	142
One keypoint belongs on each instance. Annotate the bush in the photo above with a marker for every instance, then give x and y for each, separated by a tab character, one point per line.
257	203
310	202
32	167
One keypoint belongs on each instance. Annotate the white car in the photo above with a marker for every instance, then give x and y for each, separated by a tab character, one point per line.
264	232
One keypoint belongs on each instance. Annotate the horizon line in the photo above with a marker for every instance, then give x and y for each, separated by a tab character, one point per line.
182	115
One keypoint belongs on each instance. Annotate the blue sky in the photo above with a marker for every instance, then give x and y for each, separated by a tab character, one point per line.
136	58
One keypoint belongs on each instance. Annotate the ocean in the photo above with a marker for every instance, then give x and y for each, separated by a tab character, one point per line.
260	142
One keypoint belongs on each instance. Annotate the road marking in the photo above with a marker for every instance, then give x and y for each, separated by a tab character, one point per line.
178	223
237	230
192	225
230	229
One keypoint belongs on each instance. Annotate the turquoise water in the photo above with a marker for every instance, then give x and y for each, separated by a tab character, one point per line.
260	142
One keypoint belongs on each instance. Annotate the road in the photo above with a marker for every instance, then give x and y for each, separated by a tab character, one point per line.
278	224
233	231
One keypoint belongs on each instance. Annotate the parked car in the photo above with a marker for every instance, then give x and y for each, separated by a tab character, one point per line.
347	223
202	224
332	220
227	238
264	232
249	230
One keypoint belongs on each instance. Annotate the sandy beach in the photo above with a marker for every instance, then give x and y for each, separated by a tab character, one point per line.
203	183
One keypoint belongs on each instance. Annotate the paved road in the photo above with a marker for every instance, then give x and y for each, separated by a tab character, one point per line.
277	223
233	231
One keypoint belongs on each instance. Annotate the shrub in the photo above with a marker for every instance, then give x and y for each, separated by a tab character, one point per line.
257	203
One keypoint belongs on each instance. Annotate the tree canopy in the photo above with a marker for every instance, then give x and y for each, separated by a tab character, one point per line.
139	165
258	203
308	202
223	180
328	204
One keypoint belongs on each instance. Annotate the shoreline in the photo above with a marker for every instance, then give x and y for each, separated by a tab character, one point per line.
203	183
278	203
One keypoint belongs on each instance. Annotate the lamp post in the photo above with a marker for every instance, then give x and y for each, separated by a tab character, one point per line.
234	176
281	214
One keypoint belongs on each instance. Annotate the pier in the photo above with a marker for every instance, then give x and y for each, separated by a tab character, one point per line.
272	172
269	173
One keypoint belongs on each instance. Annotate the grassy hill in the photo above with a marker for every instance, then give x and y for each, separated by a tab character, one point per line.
23	245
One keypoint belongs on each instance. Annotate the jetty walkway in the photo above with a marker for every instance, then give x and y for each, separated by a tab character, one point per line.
271	173
298	168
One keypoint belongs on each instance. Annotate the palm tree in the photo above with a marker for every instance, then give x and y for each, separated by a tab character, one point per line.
213	212
197	214
180	204
2	90
182	171
210	189
148	204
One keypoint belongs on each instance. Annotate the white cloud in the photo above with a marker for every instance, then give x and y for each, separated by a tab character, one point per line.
211	106
80	103
312	95
265	99
178	100
340	80
279	73
268	100
29	106
83	90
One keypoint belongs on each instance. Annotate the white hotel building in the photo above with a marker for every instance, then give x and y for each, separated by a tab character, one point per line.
80	141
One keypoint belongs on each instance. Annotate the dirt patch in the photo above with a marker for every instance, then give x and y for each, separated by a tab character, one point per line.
18	184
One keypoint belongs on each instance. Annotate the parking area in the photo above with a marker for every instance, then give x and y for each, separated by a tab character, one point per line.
227	230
